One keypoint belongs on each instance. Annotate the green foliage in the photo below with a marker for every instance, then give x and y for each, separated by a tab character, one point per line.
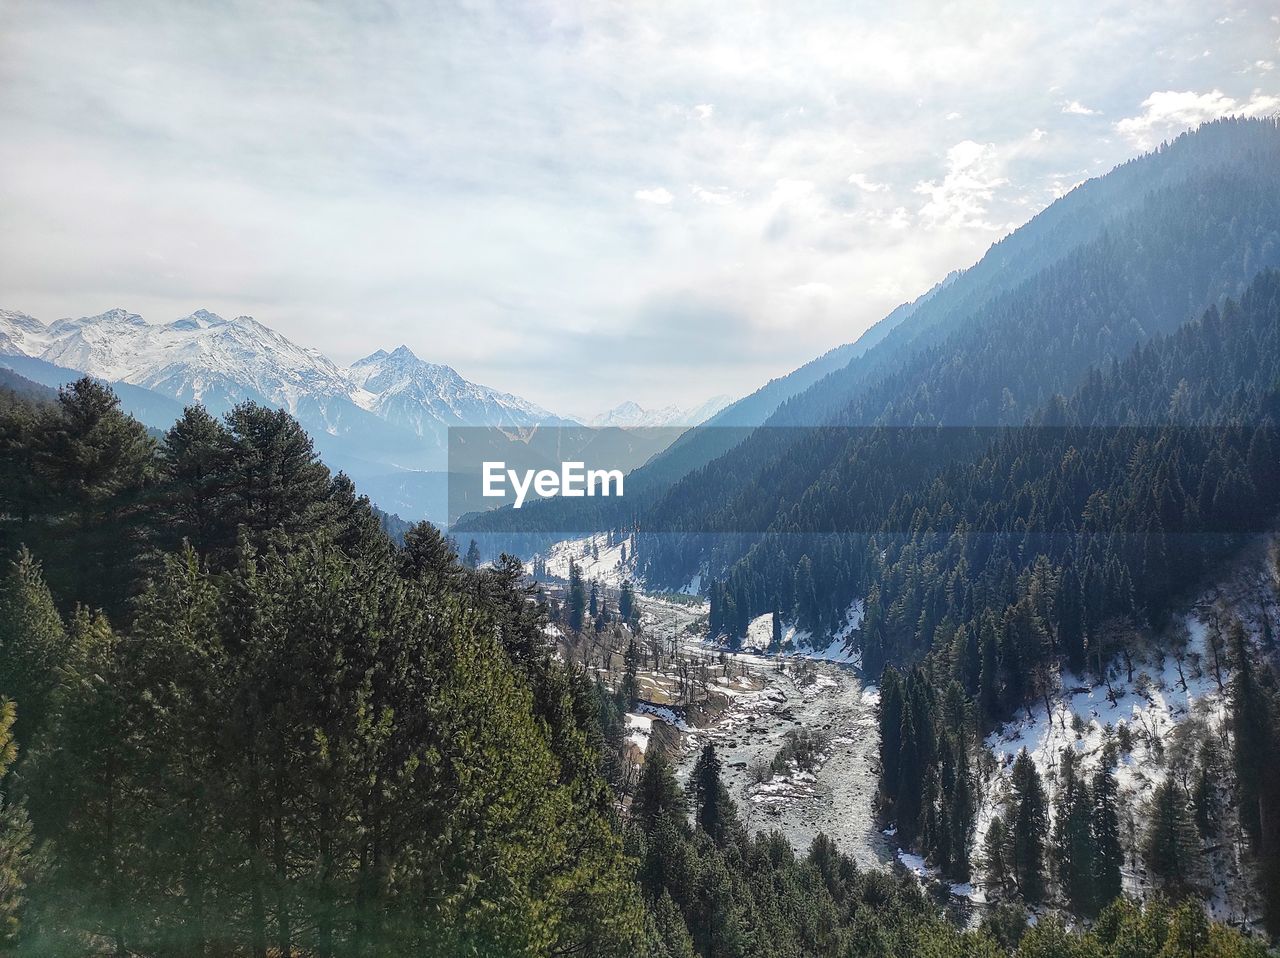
15	837
287	734
33	644
297	737
1104	829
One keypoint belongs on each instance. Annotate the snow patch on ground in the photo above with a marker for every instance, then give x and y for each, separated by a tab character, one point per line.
639	730
664	714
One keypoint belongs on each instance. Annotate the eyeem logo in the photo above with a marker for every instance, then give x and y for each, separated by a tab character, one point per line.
573	479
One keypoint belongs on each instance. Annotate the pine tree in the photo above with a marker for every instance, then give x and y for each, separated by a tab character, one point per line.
472	560
196	457
673	934
657	794
629	691
1170	847
98	470
429	557
15	837
1028	823
1072	842
706	788
33	645
1252	733
911	772
890	717
1255	724
626	601
995	854
576	604
961	813
807	613
1104	828
1204	795
276	480
989	676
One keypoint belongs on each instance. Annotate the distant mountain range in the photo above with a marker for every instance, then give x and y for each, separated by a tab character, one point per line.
384	420
630	415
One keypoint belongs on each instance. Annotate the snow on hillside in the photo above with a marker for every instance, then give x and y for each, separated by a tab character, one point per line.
796	641
1152	705
595	558
639	730
1167	704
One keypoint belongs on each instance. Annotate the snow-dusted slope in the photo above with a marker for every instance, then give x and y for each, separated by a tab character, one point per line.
630	415
1163	703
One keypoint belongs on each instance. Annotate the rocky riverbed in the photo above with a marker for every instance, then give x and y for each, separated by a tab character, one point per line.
834	795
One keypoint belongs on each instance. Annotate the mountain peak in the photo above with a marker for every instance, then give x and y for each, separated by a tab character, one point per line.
119	314
200	319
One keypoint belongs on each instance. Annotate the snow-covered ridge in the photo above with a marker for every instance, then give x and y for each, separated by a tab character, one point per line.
402	388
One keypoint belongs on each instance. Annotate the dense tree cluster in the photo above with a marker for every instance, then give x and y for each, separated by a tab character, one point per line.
287	735
927	784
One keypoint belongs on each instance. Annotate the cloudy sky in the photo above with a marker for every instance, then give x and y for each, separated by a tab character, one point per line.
578	202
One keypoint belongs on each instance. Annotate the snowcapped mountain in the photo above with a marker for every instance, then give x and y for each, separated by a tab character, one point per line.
630	415
387	416
199	358
408	391
19	333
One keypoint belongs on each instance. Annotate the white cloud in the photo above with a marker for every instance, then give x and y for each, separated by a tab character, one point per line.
959	200
1266	66
245	146
715	197
1078	108
1170	112
861	181
658	195
1038	134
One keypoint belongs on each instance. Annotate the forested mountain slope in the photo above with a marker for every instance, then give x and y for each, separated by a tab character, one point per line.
1139	250
1183	247
1064	551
